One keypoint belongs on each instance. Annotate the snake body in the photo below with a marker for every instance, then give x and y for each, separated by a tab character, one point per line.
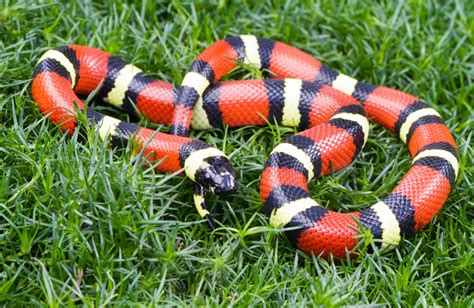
328	108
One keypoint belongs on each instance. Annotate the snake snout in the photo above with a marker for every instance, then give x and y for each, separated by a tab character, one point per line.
217	175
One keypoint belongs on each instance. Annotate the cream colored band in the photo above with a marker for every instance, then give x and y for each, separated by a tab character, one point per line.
196	158
283	215
412	117
107	126
121	84
361	120
196	81
291	113
300	155
440	153
65	62
200	119
198	202
389	223
252	55
345	84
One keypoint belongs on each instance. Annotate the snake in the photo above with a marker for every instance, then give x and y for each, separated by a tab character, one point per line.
330	110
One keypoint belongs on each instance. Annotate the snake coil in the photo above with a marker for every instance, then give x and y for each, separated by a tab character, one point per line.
328	108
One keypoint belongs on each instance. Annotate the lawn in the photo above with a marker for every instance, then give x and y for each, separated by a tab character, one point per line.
83	224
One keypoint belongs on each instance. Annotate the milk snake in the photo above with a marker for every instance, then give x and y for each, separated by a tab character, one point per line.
328	108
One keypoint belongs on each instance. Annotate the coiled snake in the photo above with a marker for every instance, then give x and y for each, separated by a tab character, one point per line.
328	108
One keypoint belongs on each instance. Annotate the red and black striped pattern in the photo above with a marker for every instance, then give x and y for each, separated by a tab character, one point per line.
410	206
302	93
54	88
64	72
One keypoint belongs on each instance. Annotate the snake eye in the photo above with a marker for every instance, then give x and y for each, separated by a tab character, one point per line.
216	174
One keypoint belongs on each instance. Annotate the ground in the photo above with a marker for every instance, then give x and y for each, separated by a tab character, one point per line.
82	224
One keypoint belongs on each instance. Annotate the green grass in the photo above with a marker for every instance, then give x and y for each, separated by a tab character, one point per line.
82	224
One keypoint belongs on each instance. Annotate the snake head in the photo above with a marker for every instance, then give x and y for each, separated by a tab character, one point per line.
213	170
217	175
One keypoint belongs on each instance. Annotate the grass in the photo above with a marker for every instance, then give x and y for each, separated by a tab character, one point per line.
82	224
